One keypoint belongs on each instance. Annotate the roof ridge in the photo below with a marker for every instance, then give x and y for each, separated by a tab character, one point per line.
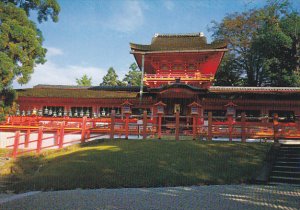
199	34
249	87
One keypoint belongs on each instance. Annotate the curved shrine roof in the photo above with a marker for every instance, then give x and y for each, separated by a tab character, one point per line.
65	91
257	90
106	92
175	42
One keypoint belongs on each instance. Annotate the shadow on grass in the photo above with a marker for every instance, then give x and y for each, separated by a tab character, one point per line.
149	163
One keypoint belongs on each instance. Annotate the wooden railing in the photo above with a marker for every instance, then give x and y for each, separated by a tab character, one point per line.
175	126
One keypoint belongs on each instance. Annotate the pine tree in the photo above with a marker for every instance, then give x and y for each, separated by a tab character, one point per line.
134	76
111	78
84	81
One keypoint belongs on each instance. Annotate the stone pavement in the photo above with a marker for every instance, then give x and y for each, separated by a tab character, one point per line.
195	197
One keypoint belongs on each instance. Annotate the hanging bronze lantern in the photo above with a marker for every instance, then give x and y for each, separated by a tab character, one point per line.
76	113
59	112
81	113
18	112
46	111
87	113
70	113
50	111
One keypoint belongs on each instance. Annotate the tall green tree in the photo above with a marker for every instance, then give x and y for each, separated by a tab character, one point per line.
111	78
20	40
133	77
229	73
84	81
263	44
238	30
277	43
44	8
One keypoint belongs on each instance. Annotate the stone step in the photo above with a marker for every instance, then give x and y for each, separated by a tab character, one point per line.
290	147
290	159
282	184
280	179
288	156
286	168
294	174
285	163
280	154
296	152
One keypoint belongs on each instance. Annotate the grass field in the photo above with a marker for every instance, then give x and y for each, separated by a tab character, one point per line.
139	163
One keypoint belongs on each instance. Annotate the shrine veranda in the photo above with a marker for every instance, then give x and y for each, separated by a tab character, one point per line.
176	98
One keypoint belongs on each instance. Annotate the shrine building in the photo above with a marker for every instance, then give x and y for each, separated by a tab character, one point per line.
178	70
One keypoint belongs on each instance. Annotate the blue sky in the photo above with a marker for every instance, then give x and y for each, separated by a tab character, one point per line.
93	35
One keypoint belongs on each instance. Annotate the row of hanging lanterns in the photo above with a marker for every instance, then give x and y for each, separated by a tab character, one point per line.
65	113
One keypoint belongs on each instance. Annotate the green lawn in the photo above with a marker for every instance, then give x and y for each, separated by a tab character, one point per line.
3	152
139	163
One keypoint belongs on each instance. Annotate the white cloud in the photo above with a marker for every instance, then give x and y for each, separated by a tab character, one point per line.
127	18
53	74
169	5
53	51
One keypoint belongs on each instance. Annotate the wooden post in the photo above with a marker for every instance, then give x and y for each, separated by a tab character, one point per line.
194	127
243	126
16	144
159	126
83	129
61	135
144	124
230	122
27	137
39	140
209	128
126	126
297	121
56	137
177	126
112	123
88	133
275	126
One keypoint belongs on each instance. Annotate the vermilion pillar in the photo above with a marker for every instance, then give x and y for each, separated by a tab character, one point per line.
159	109
126	125
39	140
145	124
275	125
16	144
61	135
112	123
209	128
243	126
177	125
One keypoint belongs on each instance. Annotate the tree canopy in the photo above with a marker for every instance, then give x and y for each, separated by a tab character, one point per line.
133	77
21	44
84	81
263	44
111	78
20	40
44	8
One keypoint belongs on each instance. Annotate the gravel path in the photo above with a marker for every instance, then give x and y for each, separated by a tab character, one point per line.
195	197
